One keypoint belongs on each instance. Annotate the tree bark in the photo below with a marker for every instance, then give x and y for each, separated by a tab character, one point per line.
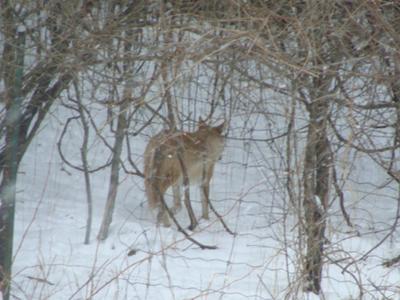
316	192
114	178
11	163
85	164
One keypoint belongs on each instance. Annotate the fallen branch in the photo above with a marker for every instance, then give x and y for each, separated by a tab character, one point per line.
180	228
220	218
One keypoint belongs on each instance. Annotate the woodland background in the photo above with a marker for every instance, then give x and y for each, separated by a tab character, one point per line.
310	90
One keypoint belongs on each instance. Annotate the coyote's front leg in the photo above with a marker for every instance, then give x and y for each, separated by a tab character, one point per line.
205	189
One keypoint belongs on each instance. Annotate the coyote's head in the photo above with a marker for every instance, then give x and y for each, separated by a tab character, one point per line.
203	126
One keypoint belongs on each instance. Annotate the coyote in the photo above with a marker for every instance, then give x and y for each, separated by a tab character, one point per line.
174	159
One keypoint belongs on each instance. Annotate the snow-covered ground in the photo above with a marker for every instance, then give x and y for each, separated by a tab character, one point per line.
263	261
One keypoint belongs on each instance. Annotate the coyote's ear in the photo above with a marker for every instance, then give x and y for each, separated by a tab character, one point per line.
201	123
220	128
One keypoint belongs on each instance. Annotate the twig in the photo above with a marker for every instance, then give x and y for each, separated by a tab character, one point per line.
339	192
220	218
180	228
41	280
390	262
392	229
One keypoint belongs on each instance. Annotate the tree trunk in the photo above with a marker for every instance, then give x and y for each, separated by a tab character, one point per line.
115	166
11	163
119	139
85	164
316	187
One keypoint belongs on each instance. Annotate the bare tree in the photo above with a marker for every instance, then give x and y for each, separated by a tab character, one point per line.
41	82
13	59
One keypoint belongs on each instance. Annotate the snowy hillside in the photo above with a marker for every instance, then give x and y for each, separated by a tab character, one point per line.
260	262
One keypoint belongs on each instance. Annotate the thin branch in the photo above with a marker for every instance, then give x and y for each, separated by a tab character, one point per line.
180	228
359	148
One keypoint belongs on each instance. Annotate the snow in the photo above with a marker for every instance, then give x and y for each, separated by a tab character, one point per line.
261	262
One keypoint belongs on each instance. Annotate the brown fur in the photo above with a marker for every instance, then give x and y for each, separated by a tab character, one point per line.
198	151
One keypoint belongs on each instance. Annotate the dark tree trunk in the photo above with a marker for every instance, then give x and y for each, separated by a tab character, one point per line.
316	188
11	163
